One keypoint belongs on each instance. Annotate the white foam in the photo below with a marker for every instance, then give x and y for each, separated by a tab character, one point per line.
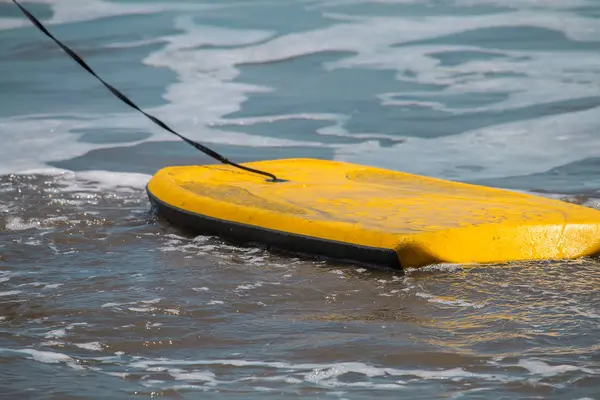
53	285
105	180
321	375
525	147
318	372
52	343
93	346
529	4
17	224
56	333
206	376
145	305
249	286
515	4
106	305
152	382
121	375
89	10
10	293
133	43
510	149
142	309
43	138
442	267
536	78
335	3
84	184
371	39
539	367
201	374
48	357
37	242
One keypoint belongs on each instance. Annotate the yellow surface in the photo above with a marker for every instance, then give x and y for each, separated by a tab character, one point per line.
424	220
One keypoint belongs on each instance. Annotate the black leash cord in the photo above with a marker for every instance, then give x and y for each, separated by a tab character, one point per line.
130	103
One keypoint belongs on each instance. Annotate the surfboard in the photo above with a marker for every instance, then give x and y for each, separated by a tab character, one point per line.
373	216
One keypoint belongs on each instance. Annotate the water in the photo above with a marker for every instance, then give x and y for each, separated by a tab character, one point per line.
101	299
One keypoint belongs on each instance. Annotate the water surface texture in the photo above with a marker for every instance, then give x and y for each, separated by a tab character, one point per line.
101	299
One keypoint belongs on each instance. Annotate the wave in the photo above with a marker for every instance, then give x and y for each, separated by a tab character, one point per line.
500	109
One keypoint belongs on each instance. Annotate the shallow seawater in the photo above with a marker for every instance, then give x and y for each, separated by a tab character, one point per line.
100	298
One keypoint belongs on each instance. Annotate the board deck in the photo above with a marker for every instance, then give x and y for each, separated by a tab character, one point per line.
371	215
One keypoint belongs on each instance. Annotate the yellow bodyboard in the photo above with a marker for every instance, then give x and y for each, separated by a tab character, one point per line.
373	215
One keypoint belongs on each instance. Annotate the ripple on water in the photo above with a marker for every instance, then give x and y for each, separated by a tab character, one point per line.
237	375
131	299
109	301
